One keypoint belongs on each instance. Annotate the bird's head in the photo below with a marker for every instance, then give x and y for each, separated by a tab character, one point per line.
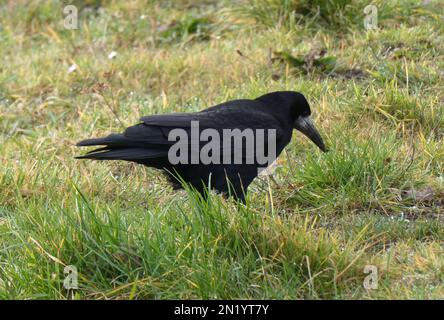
297	109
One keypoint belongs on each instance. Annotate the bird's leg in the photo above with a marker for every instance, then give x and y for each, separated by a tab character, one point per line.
238	192
240	197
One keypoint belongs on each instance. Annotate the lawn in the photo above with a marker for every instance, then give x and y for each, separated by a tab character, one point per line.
317	227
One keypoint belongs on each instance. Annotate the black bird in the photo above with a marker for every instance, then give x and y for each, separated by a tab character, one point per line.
148	142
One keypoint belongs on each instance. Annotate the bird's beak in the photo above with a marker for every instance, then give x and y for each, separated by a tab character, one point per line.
307	127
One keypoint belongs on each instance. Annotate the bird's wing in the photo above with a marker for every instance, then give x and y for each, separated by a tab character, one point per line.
174	120
153	131
237	114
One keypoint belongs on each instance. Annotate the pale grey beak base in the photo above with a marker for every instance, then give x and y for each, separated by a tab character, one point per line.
307	127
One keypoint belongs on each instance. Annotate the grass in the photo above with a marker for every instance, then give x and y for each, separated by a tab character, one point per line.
307	232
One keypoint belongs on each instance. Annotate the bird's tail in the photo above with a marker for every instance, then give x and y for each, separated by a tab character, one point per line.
118	147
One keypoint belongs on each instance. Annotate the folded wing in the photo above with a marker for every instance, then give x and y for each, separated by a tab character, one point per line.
149	139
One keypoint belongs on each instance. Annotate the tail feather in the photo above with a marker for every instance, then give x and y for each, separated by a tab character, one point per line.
129	154
118	147
113	140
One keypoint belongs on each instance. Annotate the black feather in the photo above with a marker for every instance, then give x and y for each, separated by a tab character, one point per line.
147	143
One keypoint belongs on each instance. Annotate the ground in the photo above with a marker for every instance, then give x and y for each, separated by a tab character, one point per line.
363	221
